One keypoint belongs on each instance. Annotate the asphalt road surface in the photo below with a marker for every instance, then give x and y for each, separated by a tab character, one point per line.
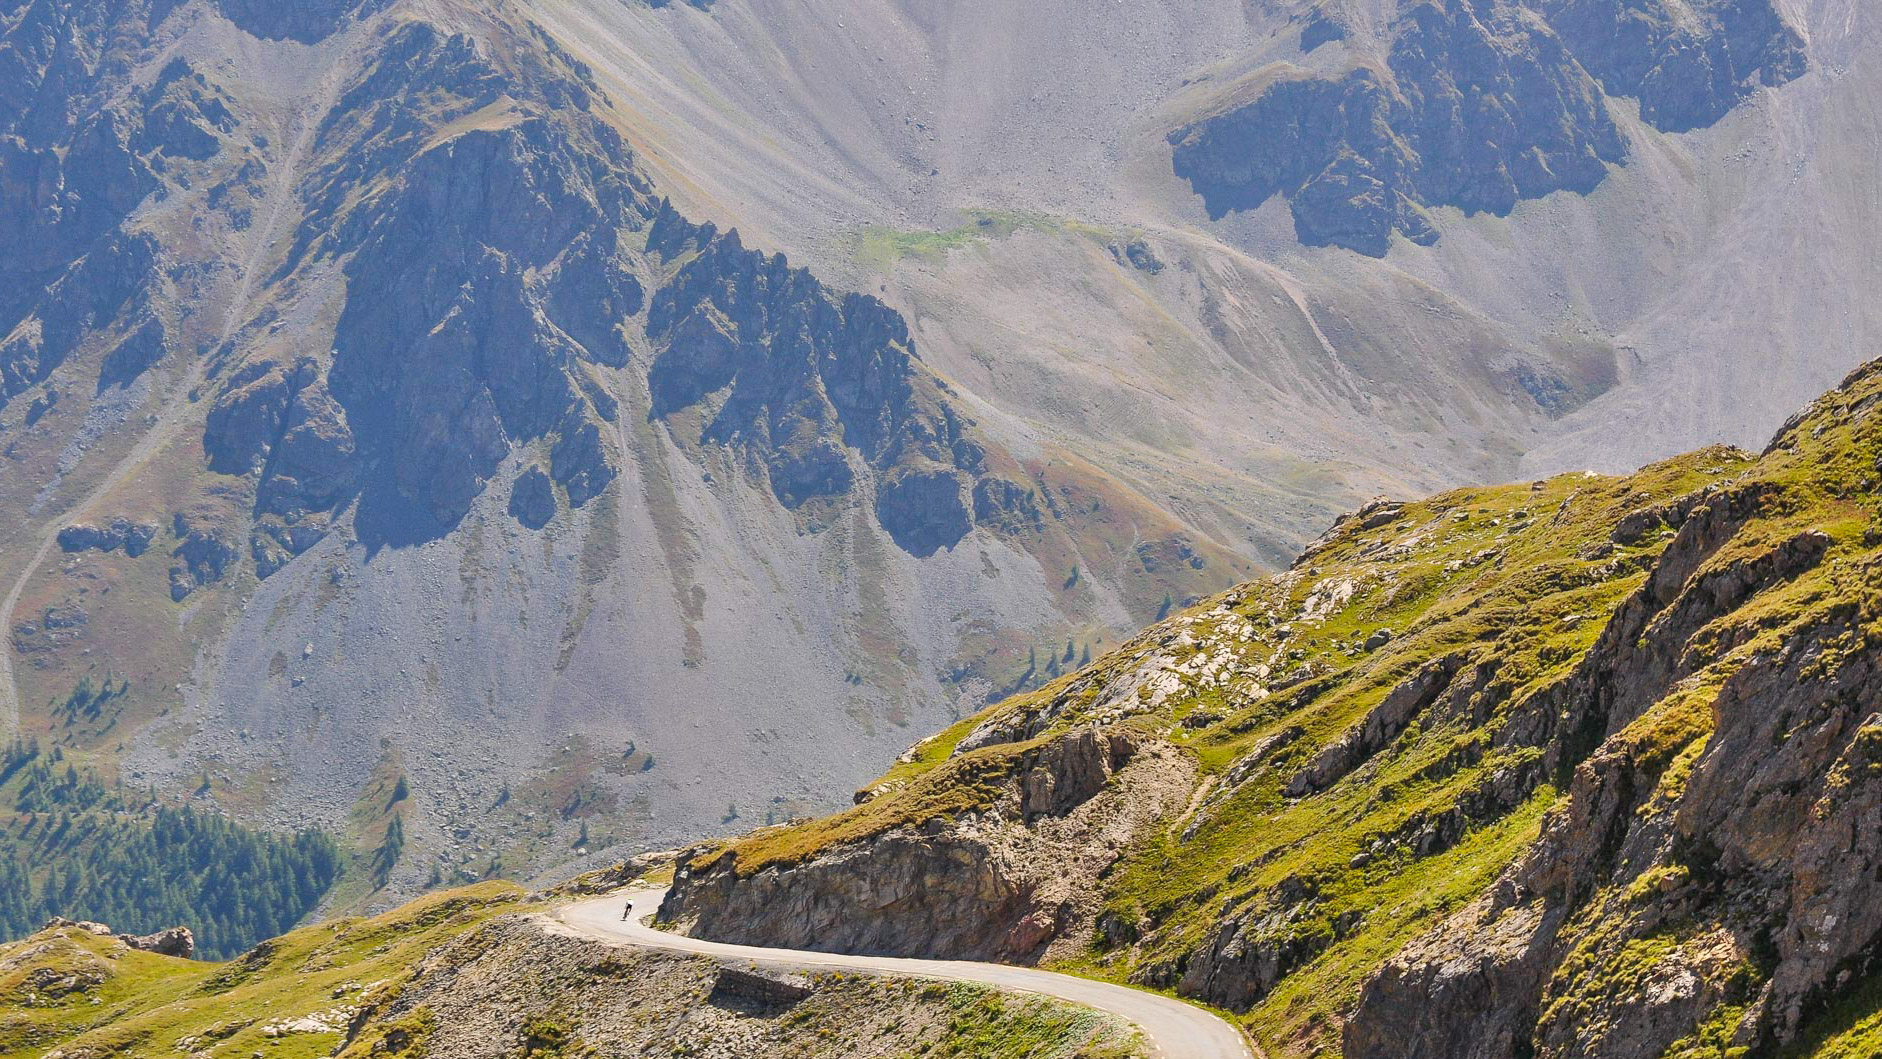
1173	1028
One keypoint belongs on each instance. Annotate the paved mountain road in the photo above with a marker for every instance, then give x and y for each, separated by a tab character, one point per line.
1174	1029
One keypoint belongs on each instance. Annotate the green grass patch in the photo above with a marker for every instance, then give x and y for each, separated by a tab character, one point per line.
883	248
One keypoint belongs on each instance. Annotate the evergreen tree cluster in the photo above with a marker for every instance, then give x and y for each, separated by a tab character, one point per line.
70	846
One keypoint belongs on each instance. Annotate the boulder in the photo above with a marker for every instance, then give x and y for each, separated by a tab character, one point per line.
176	941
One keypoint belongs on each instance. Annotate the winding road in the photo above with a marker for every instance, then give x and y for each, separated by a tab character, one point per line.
1174	1029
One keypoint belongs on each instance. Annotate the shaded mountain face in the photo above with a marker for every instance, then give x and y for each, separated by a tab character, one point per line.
1578	767
375	422
1480	104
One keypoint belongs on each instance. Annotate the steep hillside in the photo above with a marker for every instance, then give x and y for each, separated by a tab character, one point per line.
374	422
1578	767
1638	210
474	973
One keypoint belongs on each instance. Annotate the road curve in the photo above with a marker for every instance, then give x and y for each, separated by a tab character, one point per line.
1174	1029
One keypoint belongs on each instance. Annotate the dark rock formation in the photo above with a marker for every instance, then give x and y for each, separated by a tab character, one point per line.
133	537
925	510
579	461
498	267
532	499
73	165
137	353
1007	505
95	289
1490	102
275	542
1174	549
1689	63
205	553
1137	254
490	268
304	21
806	375
441	367
1320	28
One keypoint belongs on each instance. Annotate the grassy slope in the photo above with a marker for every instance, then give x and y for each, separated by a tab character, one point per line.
1522	577
1502	580
144	1004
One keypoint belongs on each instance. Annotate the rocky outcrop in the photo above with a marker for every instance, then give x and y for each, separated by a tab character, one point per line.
925	510
1689	63
1385	723
442	368
489	270
1137	254
1007	506
1488	103
72	305
173	941
205	552
304	22
73	166
133	537
816	388
532	499
1004	882
768	989
176	941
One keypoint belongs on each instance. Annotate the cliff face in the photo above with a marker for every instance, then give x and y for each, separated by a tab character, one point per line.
1694	890
1010	874
1577	768
1477	104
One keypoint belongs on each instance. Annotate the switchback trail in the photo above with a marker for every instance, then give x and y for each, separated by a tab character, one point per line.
1172	1028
